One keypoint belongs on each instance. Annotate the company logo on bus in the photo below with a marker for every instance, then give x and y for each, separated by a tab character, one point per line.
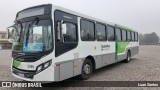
105	47
31	66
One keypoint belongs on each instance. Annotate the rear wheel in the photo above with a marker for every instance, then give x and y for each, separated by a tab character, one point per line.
87	69
128	57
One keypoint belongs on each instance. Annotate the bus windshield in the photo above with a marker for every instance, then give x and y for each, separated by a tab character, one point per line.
33	36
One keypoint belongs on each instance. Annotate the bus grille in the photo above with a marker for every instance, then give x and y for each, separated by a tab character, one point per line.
26	74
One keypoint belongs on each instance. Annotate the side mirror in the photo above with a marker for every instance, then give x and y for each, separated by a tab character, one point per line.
8	35
10	32
64	28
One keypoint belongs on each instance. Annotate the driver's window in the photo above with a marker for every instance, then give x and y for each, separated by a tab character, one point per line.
70	34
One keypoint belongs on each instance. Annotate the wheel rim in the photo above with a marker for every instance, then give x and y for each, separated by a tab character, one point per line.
87	68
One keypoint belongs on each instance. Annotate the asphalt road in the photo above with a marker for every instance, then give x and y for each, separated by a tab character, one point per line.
143	67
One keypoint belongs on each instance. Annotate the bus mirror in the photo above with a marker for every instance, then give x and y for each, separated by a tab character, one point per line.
8	35
10	32
64	28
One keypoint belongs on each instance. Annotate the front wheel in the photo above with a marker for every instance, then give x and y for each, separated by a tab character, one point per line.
87	69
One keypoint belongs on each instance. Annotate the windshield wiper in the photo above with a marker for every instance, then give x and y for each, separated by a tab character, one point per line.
36	19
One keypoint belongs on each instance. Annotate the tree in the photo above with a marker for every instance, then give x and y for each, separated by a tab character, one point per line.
149	38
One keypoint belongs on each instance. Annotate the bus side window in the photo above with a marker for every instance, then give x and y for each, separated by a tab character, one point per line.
136	37
101	32
110	33
124	36
132	36
118	34
128	36
87	30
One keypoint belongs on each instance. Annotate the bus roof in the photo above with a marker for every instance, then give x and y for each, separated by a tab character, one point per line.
92	18
122	27
82	15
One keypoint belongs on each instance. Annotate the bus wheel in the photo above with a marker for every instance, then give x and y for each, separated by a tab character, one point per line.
128	57
87	69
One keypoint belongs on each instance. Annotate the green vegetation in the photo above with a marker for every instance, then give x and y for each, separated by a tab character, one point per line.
151	38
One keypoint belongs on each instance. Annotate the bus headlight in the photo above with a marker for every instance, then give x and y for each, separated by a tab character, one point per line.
39	68
47	64
43	66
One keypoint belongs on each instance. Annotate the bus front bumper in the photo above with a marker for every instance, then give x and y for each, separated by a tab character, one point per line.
44	76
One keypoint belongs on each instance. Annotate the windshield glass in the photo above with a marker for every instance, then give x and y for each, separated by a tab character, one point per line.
33	37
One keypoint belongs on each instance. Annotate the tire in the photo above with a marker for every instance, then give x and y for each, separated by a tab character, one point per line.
87	70
128	57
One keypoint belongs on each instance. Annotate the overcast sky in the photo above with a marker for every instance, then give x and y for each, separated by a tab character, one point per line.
141	15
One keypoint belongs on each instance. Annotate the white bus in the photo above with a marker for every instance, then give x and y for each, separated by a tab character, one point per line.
52	44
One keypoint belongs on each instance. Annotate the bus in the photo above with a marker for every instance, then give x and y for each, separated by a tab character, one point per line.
51	43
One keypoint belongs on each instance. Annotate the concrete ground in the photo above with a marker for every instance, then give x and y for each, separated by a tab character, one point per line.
143	67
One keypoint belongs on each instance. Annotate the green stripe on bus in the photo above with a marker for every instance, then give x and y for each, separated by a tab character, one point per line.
16	63
116	50
121	47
